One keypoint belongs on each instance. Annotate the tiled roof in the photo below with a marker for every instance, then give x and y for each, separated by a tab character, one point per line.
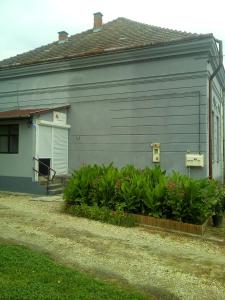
26	113
115	35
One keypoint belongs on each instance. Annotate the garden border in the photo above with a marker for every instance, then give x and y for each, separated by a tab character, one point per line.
167	224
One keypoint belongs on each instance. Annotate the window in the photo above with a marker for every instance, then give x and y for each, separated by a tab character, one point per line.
9	138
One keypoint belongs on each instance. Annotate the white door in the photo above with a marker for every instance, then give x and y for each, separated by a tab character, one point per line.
44	150
60	150
45	142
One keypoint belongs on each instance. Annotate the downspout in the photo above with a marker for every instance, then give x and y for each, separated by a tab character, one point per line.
222	130
210	103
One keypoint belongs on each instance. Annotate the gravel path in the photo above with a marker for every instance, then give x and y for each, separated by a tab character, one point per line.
168	266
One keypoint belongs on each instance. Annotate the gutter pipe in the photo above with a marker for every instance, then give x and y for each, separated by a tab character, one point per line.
210	103
222	130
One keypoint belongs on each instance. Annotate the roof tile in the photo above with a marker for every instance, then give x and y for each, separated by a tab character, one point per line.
26	113
117	34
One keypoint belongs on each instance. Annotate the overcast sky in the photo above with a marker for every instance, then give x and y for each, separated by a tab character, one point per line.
27	24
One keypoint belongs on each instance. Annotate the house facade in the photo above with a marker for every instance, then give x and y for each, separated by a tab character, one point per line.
122	92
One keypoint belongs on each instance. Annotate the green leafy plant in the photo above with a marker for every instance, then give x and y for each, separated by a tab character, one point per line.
154	175
81	186
154	191
148	191
219	207
131	193
190	200
102	214
105	191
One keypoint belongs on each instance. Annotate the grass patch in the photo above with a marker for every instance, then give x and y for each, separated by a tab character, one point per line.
25	274
102	214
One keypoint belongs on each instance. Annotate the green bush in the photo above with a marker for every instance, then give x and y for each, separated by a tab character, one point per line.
102	214
104	193
130	189
81	186
190	200
148	191
219	208
154	191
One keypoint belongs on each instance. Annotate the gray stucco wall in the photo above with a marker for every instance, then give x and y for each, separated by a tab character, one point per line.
159	104
20	164
118	110
21	185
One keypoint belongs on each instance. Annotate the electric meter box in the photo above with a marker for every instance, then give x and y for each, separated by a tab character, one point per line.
194	160
155	152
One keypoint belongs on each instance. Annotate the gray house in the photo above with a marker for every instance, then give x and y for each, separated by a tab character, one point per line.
122	92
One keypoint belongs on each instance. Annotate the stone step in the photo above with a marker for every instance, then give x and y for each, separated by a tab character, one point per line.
57	179
54	185
54	181
55	191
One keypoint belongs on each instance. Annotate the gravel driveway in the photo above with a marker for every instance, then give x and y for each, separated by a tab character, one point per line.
168	266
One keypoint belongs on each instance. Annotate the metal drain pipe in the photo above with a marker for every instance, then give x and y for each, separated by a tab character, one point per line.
210	104
222	131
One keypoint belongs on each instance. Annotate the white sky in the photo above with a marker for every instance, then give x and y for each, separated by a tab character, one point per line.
27	24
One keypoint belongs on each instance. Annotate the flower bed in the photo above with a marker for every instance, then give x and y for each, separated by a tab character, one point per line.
147	192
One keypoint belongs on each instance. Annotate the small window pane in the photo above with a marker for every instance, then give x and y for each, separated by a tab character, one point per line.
4	130
14	129
3	144
13	144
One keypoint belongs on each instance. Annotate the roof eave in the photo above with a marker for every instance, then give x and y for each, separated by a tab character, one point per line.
31	114
107	50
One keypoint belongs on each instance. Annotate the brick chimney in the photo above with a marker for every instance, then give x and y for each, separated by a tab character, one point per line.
97	21
63	37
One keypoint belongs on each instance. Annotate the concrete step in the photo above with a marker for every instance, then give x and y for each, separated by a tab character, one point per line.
57	180
55	191
42	180
55	188
54	185
54	182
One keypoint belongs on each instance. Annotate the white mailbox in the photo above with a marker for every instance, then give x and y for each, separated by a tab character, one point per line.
194	160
